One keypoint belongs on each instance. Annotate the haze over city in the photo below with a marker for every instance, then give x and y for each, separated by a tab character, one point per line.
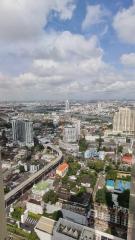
73	48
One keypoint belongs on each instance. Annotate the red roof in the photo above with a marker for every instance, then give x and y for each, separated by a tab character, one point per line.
127	158
62	167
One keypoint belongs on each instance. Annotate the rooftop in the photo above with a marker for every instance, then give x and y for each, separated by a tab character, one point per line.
46	225
80	232
34	201
41	186
127	158
62	167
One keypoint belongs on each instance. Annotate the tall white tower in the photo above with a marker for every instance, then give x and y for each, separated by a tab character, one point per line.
3	227
67	107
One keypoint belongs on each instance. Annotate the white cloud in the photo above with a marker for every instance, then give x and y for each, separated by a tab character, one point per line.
124	24
94	14
128	59
51	64
25	19
70	64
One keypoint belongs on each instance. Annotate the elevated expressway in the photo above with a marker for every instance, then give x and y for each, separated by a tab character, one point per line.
27	184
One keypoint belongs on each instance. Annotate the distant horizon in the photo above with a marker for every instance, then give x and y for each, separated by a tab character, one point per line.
70	100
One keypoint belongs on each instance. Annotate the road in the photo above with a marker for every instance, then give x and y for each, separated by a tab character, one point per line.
31	180
99	184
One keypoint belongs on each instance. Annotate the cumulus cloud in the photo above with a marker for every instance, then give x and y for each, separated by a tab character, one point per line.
124	24
69	64
128	59
94	14
52	64
23	20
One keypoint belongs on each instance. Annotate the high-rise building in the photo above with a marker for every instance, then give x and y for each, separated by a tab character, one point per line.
70	134
22	131
3	228
77	124
99	107
67	107
124	121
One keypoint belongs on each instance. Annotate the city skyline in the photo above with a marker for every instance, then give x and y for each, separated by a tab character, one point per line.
73	49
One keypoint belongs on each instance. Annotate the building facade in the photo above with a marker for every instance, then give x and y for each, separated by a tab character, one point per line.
70	134
35	206
22	131
124	121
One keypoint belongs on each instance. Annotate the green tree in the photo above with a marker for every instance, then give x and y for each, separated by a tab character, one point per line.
65	179
50	196
83	145
98	165
120	149
123	199
82	190
56	215
73	168
100	141
104	197
100	196
6	189
21	169
18	211
112	174
33	236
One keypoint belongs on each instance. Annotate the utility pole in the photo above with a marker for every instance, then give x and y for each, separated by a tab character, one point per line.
3	227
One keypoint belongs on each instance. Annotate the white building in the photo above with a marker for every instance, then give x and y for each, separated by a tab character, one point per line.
67	230
34	168
35	206
67	107
44	228
91	138
70	134
72	148
48	229
77	125
22	131
124	121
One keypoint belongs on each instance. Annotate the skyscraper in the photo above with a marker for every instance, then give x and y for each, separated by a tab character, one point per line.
22	131
124	121
67	108
3	229
77	124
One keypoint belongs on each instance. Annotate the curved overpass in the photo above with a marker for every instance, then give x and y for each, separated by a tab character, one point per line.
21	187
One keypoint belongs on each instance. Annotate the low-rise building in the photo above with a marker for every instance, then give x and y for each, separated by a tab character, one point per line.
48	229
62	169
102	214
44	228
127	159
67	230
35	206
69	147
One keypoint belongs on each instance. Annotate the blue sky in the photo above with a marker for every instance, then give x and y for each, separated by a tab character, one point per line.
113	48
56	49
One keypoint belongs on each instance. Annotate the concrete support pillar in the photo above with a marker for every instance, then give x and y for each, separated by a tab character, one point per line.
3	227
